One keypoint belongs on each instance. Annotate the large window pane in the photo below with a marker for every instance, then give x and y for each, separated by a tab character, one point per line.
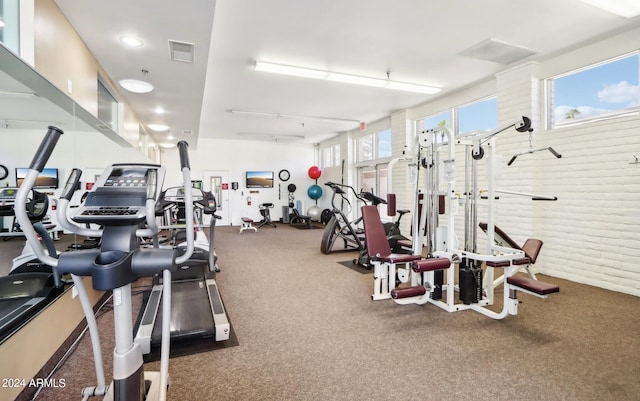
437	120
383	144
478	116
325	158
365	148
336	155
604	90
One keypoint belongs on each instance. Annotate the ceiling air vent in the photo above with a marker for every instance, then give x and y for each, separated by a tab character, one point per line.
187	132
181	51
497	52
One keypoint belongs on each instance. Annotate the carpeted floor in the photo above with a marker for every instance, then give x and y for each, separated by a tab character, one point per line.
308	330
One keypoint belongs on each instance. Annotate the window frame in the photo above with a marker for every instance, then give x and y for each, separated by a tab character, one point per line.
550	90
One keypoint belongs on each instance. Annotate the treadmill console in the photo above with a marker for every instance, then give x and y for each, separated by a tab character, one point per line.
202	199
120	194
8	194
176	194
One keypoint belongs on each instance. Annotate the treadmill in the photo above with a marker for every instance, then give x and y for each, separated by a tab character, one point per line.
24	294
197	311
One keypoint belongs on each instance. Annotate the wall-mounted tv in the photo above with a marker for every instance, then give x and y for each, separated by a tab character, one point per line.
48	178
259	179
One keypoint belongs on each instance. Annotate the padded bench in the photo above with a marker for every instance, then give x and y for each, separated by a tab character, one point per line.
534	287
247	224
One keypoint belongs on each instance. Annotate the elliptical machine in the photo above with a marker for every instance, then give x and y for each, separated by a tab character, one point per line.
339	226
123	198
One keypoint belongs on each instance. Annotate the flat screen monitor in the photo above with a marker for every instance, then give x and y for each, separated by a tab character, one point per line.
47	179
259	179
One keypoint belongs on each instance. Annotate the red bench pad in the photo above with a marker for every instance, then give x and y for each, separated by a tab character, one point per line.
535	286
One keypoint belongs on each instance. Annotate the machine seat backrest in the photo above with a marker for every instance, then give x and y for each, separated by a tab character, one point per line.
391	204
375	237
531	248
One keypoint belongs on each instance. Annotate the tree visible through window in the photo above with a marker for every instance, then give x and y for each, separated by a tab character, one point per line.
607	89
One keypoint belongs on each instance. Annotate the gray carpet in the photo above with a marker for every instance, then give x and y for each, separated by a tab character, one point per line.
308	330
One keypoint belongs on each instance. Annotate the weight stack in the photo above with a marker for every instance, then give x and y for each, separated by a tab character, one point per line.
470	280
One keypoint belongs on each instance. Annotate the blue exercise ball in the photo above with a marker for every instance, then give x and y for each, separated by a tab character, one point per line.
314	191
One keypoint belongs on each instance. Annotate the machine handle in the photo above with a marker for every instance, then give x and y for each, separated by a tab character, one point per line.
72	184
556	154
46	148
183	147
152	182
512	160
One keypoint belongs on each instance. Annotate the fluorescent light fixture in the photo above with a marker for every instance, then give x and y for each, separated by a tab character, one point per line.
344	78
17	95
167	145
158	127
159	110
624	8
299	117
290	70
136	86
356	80
131	41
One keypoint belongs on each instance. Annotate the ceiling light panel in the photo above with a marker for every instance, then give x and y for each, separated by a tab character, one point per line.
136	86
158	127
290	70
131	41
343	78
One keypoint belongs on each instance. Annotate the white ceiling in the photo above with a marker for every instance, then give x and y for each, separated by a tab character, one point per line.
417	41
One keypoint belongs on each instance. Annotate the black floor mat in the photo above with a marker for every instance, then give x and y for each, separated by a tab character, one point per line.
305	226
355	267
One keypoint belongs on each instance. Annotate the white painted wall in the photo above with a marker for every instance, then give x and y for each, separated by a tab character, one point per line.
239	156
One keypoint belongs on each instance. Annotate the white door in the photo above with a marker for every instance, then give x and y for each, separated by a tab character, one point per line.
217	181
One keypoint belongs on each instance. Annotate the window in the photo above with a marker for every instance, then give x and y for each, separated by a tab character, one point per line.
374	180
481	115
330	157
326	158
9	24
107	107
374	146
608	89
437	120
335	150
383	144
364	148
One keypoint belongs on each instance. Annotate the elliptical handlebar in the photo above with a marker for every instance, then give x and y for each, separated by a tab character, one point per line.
188	199
72	184
364	196
46	148
37	164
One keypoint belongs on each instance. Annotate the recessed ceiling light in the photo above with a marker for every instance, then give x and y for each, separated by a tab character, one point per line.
131	41
136	86
159	110
158	127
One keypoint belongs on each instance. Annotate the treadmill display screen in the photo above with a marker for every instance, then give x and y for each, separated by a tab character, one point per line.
8	193
127	177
